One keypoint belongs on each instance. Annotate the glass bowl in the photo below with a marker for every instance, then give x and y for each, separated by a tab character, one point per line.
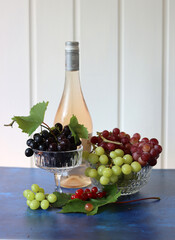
132	183
58	163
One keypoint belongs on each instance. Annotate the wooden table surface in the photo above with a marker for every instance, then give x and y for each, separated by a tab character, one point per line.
139	221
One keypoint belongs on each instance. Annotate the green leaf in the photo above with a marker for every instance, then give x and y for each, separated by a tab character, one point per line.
78	130
62	199
30	123
78	205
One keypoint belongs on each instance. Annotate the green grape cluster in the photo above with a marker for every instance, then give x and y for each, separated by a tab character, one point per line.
37	198
109	167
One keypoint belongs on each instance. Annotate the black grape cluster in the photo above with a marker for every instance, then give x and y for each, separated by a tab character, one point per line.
56	139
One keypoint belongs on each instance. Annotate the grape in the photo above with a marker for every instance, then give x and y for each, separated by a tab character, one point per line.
49	141
116	170
85	155
103	145
111	138
44	204
79	192
122	134
134	140
40	196
124	140
55	132
87	172
94	190
99	151
113	179
120	152
52	198
94	140
107	172
137	135
100	170
34	145
146	147
152	162
28	152
111	146
135	166
128	158
105	133
113	154
158	148
93	173
154	141
59	126
104	180
103	159
93	158
143	163
116	132
133	148
34	204
41	190
30	196
42	147
53	146
37	137
35	188
28	202
118	161
45	134
26	192
145	140
88	207
136	155
29	141
126	169
145	156
154	152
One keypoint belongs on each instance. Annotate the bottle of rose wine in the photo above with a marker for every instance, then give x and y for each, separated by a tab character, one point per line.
72	102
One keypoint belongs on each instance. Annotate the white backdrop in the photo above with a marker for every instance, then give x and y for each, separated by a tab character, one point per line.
127	65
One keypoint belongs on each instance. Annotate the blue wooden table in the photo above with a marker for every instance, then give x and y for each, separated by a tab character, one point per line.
139	221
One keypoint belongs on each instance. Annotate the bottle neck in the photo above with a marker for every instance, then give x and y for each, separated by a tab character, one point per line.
72	61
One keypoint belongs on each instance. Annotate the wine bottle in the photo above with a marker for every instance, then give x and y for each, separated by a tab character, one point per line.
72	102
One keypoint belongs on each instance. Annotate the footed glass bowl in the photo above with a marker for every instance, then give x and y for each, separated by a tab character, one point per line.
58	162
132	183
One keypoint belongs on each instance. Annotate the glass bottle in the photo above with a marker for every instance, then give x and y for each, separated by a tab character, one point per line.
72	102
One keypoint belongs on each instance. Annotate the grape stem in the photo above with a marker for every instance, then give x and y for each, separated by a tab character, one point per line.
137	200
10	124
47	126
106	140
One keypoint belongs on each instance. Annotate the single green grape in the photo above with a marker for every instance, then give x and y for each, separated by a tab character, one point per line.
93	158
52	198
107	172
103	159
113	154
34	204
104	180
120	152
126	169
99	151
44	204
28	202
30	196
93	173
26	192
113	179
136	166
116	170
41	190
40	196
87	171
128	159
35	188
118	161
100	170
85	155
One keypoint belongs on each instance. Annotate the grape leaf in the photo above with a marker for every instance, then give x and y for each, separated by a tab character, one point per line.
78	130
30	123
78	205
62	199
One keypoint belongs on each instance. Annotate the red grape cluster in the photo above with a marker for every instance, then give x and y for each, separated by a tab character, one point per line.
88	194
143	150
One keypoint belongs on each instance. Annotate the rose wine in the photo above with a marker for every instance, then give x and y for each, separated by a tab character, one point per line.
73	103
